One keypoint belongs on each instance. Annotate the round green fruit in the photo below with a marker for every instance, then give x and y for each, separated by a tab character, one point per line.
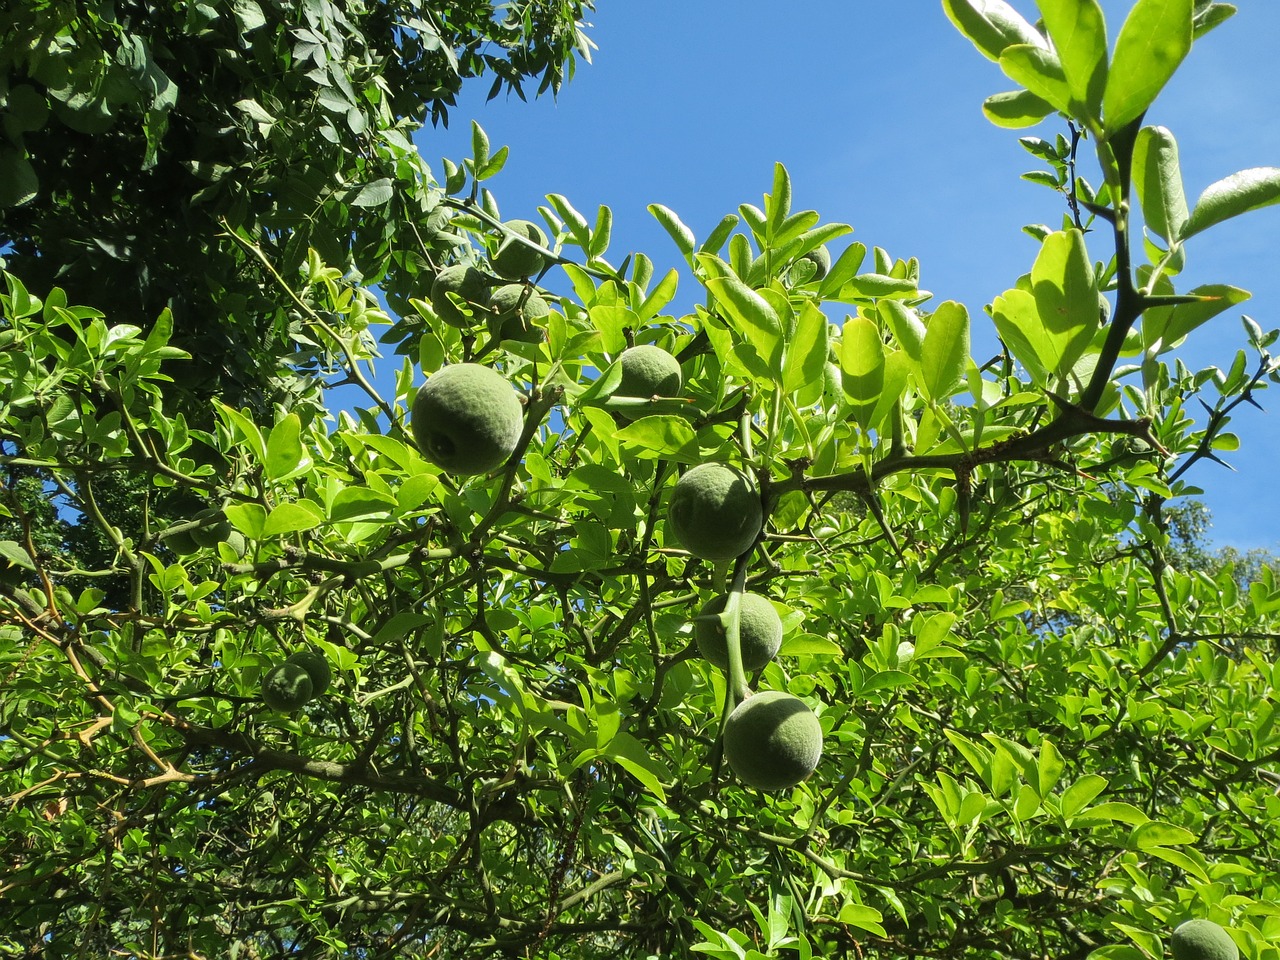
216	527
238	544
467	419
514	260
465	282
286	687
772	740
182	542
715	512
647	371
1203	940
513	319
759	632
821	260
317	667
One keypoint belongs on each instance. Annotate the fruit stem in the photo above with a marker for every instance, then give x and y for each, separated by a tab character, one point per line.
736	690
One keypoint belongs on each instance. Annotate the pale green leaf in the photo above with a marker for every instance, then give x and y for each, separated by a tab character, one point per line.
1153	41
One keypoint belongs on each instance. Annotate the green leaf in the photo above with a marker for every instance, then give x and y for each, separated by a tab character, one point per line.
1015	109
1114	810
1157	833
286	456
862	366
1079	34
292	517
18	181
373	194
1066	297
1154	39
748	312
1080	793
1027	339
662	435
242	427
1171	324
802	644
991	25
806	355
1039	71
659	297
352	502
778	203
249	518
1157	181
1049	767
479	146
630	754
905	325
1239	193
945	352
675	228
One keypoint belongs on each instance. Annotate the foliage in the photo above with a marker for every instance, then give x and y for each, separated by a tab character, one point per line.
141	137
1045	732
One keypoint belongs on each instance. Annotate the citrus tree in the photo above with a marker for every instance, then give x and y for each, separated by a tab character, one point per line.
775	627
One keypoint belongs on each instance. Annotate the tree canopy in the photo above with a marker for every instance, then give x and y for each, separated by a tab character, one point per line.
419	678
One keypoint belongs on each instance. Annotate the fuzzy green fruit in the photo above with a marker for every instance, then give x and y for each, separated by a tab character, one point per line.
317	667
182	542
238	544
759	632
514	260
647	371
772	740
465	282
286	687
467	419
216	528
1203	940
715	512
516	320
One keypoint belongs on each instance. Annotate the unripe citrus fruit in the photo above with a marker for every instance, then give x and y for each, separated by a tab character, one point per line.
467	419
317	667
1203	940
514	320
821	260
286	687
215	530
647	371
181	542
772	740
465	282
759	632
514	260
715	512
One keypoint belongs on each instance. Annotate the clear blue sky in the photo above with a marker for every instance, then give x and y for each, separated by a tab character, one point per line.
875	110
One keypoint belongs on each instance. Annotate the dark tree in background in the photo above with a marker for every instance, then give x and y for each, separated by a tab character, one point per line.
139	134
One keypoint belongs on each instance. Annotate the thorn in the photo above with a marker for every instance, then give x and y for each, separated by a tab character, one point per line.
1209	454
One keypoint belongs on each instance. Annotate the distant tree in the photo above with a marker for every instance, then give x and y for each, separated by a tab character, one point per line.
420	677
139	136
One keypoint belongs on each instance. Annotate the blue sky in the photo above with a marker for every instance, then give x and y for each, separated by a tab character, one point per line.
874	107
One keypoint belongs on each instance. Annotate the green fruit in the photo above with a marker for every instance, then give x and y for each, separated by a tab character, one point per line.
759	632
715	512
238	544
216	528
317	667
286	687
465	282
467	419
513	320
182	542
821	260
1203	940
772	740
514	260
647	371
